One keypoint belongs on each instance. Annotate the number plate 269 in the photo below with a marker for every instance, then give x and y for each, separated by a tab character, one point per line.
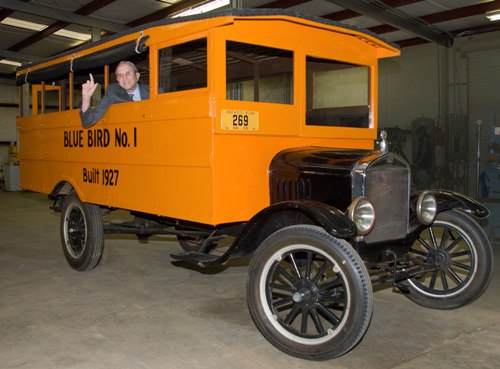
239	120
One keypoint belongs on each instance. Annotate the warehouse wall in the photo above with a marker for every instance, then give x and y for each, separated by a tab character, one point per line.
408	86
8	113
437	84
417	89
484	108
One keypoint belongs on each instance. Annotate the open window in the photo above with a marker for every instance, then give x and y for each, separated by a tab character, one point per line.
45	98
258	73
105	74
65	78
183	66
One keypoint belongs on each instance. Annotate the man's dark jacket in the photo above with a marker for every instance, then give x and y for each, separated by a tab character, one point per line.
114	94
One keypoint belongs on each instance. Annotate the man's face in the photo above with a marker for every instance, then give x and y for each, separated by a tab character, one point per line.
126	77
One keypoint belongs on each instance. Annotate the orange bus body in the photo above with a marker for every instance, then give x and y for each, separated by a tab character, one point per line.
174	155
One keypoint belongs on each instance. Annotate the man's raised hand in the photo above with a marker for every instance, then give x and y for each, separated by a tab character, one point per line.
89	87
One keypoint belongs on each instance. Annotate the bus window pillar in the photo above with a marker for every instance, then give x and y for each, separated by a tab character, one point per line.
96	36
24	97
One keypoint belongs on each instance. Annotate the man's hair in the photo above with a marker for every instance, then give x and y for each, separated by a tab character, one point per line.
132	65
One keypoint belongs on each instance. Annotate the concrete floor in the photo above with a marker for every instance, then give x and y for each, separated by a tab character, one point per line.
138	309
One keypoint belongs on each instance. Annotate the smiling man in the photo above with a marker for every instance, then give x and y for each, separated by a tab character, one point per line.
127	89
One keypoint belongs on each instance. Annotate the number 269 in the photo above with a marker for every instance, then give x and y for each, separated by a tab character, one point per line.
240	120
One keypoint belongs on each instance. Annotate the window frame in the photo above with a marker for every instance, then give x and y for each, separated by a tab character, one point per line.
309	97
257	78
154	58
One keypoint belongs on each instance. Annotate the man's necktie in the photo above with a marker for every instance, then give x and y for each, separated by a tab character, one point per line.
131	96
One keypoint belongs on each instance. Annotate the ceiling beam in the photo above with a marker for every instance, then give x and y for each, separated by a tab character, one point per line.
85	10
408	24
39	36
165	12
466	11
341	15
4	13
347	13
18	56
49	12
282	4
464	32
446	15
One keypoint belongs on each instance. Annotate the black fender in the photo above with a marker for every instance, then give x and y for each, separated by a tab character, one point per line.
447	200
288	213
61	189
272	219
59	193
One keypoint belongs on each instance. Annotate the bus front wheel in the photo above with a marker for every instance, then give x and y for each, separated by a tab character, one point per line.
309	293
82	233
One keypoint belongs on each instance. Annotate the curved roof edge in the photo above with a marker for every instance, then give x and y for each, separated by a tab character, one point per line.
224	13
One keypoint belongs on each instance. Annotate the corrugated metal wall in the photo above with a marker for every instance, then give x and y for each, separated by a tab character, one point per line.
484	105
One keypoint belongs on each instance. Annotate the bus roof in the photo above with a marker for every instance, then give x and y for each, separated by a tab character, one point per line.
83	58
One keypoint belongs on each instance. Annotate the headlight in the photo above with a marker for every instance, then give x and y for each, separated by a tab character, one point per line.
426	208
362	213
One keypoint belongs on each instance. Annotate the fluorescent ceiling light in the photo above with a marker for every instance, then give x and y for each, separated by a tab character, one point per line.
73	35
204	8
23	24
10	62
39	27
494	15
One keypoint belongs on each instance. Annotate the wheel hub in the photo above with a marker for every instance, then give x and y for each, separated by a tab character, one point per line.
306	292
301	295
75	231
439	258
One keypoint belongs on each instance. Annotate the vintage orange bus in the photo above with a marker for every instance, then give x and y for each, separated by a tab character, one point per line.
259	131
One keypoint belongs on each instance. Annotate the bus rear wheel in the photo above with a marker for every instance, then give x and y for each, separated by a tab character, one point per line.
82	233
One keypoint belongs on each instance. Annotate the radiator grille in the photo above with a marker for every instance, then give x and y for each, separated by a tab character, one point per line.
387	187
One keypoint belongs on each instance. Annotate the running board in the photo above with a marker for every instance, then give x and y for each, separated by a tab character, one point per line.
201	259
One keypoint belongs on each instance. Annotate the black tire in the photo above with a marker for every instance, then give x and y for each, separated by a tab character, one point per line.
82	233
309	293
461	251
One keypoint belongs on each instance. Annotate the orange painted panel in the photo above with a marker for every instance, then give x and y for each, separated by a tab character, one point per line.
174	155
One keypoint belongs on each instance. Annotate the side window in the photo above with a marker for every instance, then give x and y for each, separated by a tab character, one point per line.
52	99
54	88
46	98
106	73
258	73
337	93
183	67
